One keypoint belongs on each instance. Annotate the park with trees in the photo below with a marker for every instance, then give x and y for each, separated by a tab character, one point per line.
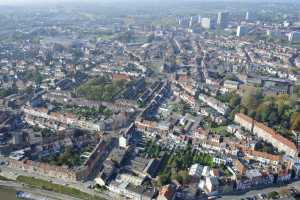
100	89
277	111
177	164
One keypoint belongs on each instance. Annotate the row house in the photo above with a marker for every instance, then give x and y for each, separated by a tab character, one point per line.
215	104
150	127
67	118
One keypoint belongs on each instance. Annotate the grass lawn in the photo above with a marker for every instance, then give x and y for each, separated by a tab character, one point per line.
100	89
221	130
105	37
46	185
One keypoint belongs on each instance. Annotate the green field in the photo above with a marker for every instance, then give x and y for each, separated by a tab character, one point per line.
100	89
105	37
2	178
45	185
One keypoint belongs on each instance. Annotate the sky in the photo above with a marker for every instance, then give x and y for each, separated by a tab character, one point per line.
9	2
28	2
25	2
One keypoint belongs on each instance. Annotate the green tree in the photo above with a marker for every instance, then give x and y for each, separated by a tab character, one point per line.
273	118
273	195
4	92
234	101
263	111
183	177
251	99
295	121
164	179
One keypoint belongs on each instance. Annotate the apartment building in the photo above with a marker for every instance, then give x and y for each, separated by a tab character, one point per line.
267	134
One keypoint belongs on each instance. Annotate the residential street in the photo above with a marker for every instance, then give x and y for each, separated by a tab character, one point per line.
261	191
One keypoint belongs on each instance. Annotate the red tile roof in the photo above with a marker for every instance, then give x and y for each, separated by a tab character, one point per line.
244	117
268	130
167	192
275	135
119	77
263	155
